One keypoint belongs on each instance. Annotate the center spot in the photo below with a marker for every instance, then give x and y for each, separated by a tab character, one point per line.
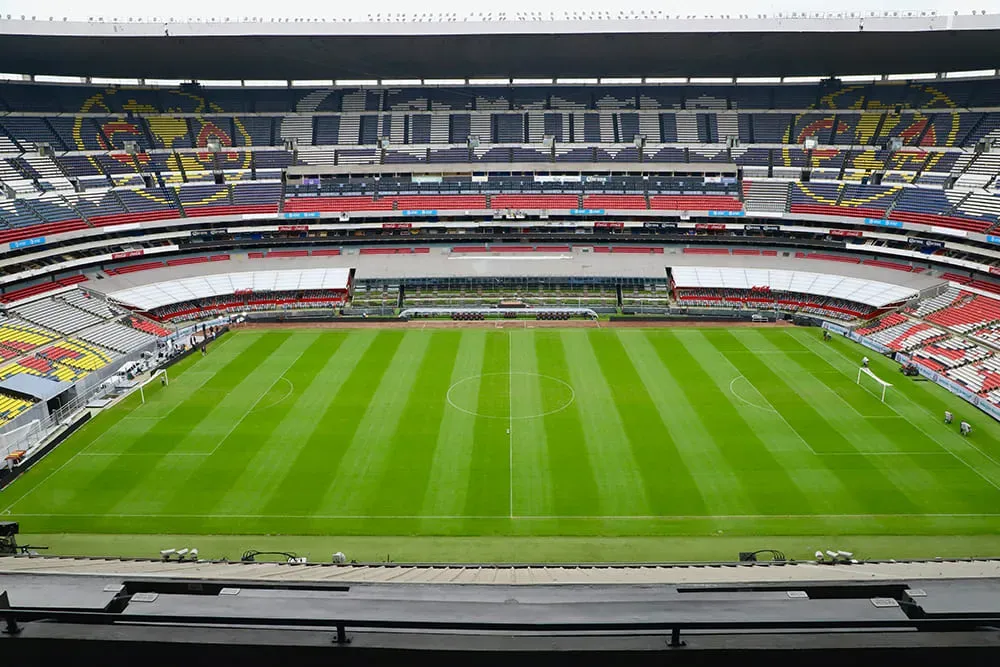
514	395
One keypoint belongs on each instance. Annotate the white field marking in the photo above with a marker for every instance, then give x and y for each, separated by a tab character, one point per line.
767	352
929	437
143	454
774	410
923	453
473	413
732	390
254	404
132	417
537	517
91	444
291	388
837	394
510	420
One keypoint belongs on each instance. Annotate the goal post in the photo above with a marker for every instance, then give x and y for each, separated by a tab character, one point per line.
880	383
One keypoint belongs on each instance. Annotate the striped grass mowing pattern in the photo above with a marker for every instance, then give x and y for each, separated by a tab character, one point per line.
480	432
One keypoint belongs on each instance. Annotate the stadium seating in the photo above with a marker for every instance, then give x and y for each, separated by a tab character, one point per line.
337	204
117	337
11	407
41	288
146	326
768	300
982	378
907	335
621	202
78	355
950	353
890	320
536	201
174	177
766	196
967	313
943	300
56	315
695	203
80	299
18	336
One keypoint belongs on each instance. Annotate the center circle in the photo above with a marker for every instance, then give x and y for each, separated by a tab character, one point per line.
501	395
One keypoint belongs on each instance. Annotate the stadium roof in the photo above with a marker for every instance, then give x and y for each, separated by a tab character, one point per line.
32	385
468	49
156	295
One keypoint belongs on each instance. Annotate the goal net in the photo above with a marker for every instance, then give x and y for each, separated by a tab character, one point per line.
873	382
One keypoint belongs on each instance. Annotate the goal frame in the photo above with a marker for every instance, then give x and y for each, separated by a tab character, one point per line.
882	383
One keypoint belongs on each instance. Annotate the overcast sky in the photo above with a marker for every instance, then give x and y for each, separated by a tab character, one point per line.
313	9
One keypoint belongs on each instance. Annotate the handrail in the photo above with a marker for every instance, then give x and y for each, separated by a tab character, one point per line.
14	616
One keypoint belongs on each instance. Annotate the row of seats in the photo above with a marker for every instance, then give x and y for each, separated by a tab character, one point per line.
907	335
12	406
942	300
18	336
967	313
890	320
147	326
130	206
950	352
57	315
78	354
982	378
84	301
117	337
158	132
759	299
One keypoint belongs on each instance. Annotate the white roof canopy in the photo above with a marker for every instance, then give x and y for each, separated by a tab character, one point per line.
869	292
168	292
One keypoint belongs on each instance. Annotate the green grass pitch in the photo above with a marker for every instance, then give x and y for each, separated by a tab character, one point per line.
574	444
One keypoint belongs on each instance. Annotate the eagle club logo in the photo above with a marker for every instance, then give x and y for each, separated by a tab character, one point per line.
829	117
163	120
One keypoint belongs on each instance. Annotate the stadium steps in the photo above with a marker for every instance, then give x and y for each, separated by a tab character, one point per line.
955	208
176	200
507	575
876	134
972	130
923	133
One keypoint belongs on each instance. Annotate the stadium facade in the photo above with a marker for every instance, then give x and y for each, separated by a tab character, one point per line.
723	168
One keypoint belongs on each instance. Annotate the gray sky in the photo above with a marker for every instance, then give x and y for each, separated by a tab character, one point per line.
312	9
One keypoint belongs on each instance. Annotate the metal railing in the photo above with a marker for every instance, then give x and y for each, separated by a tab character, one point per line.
14	617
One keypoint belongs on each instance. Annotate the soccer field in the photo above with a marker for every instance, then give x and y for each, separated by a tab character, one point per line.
611	434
